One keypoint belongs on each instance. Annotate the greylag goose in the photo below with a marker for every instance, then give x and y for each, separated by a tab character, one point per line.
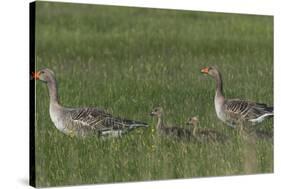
174	131
236	112
82	121
204	134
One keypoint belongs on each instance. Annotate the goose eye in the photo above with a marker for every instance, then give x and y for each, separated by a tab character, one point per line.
42	72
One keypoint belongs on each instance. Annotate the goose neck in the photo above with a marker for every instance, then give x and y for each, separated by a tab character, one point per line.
159	123
219	86
53	92
194	129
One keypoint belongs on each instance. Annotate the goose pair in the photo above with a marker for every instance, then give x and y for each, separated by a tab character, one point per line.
191	133
82	121
236	112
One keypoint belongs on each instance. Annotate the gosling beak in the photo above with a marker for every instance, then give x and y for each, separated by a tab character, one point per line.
152	114
205	70
35	75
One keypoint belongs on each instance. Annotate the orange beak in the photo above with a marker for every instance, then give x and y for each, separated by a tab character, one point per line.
205	70
35	75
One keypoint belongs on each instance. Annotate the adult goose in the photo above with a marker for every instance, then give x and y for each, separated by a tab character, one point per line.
236	112
82	121
174	131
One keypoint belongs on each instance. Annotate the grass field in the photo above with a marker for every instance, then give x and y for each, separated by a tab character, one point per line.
128	60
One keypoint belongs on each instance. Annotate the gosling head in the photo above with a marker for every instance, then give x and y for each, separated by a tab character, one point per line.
45	75
157	112
193	121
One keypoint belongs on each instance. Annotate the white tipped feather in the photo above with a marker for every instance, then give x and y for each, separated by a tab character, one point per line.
261	118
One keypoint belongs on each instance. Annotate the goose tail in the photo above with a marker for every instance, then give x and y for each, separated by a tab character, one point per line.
263	113
135	124
121	126
121	123
270	110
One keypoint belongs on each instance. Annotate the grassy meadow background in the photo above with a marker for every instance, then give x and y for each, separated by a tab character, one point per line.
128	60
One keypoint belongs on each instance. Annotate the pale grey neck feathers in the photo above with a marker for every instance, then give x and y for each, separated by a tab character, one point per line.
219	85
160	124
53	91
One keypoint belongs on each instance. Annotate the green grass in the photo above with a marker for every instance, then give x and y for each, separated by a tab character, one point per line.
128	60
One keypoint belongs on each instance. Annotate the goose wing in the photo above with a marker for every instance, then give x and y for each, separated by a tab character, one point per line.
100	120
246	110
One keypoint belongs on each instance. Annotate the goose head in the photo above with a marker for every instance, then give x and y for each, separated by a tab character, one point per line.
46	75
210	70
157	112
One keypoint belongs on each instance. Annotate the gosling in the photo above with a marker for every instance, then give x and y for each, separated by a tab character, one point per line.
173	131
204	134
